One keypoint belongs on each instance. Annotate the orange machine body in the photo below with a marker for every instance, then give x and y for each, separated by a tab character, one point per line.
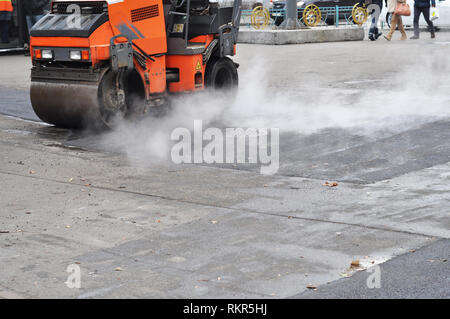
97	61
143	22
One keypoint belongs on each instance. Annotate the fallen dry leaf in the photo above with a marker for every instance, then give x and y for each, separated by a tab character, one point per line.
330	184
355	264
118	269
311	287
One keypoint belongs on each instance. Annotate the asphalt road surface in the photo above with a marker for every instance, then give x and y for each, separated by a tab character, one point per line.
373	117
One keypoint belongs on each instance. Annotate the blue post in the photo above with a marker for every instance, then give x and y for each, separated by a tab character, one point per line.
337	16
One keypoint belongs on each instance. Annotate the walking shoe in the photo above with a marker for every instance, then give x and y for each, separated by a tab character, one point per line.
414	37
378	35
387	37
404	37
371	37
433	35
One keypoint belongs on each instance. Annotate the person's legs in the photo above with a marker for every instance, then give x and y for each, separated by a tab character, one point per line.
4	29
416	22
374	26
393	27
401	28
373	29
426	16
375	22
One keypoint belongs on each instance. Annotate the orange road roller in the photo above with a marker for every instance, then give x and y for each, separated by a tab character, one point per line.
95	62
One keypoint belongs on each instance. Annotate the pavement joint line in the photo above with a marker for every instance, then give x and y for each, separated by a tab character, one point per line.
24	120
228	208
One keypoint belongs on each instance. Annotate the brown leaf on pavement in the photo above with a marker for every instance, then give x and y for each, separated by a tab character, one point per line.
330	184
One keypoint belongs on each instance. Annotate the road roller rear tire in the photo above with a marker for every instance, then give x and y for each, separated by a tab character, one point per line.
221	74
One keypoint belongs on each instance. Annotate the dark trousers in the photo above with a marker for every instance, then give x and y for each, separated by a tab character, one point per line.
4	30
426	15
373	27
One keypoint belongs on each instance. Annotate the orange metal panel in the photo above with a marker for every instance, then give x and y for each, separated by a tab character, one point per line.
59	42
188	65
157	74
98	42
143	20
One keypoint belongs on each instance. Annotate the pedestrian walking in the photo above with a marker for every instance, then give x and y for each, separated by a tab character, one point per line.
6	9
423	7
374	33
396	20
35	10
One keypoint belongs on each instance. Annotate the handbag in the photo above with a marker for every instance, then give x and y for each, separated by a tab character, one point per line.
434	14
402	9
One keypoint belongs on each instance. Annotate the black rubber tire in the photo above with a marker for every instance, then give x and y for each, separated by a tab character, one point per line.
388	19
330	21
278	20
257	4
221	74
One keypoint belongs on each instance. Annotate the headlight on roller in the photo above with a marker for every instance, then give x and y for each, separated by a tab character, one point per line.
47	54
75	55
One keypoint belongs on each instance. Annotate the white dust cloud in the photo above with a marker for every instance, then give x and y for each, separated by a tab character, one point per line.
416	94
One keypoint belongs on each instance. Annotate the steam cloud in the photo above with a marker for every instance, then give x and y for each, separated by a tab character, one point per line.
417	93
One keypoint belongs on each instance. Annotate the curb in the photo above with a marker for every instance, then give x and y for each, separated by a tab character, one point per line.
313	35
